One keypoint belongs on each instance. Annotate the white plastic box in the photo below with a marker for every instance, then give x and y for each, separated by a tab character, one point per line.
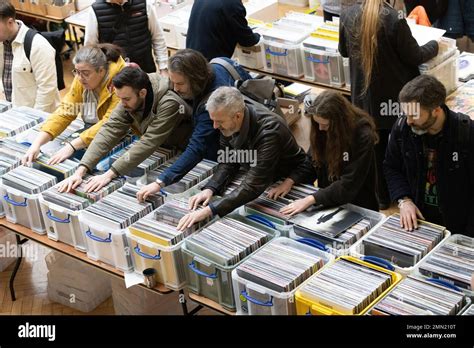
168	24
63	224
106	241
250	57
255	299
282	52
446	72
298	3
181	34
22	208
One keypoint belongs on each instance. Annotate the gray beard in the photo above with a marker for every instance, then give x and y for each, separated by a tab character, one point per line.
419	131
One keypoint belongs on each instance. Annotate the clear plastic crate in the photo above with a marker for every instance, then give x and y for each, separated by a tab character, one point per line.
22	208
447	48
181	34
211	280
63	225
106	241
167	260
168	25
255	299
446	72
250	57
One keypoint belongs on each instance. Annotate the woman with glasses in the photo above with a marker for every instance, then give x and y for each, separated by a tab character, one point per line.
91	96
341	156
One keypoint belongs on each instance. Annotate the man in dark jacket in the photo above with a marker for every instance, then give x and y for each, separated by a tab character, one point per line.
251	137
216	27
429	164
194	79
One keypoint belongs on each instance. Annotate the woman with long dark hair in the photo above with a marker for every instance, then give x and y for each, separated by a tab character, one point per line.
341	156
384	56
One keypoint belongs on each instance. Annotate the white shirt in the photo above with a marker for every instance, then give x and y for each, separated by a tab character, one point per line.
37	89
157	38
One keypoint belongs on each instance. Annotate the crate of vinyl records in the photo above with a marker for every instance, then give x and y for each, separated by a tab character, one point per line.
19	190
446	71
452	263
348	286
200	172
211	254
19	119
11	154
60	170
61	211
104	225
322	61
265	283
156	243
157	158
413	296
5	105
404	249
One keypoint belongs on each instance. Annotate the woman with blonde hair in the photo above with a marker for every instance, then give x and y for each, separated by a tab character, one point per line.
91	96
384	56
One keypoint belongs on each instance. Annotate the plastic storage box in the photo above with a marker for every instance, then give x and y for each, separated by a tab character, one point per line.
181	34
357	250
255	299
250	57
282	52
210	279
446	72
305	305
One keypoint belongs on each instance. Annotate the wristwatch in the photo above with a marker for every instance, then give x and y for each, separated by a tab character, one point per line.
403	200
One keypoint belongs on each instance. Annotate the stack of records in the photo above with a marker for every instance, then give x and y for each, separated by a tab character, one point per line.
160	226
5	105
453	262
280	267
11	154
28	180
15	121
403	248
227	241
78	199
470	311
201	171
60	170
160	156
414	296
235	182
346	287
121	207
105	163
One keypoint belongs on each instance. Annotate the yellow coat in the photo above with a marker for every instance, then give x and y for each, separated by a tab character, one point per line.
67	112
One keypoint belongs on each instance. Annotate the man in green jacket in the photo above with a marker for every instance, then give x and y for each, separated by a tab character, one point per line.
150	107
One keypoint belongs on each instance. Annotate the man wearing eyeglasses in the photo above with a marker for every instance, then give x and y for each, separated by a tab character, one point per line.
132	25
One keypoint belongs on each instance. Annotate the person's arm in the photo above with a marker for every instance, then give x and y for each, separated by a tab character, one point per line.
157	38
91	35
305	173
409	50
256	180
107	137
156	134
352	178
240	27
42	56
88	135
203	134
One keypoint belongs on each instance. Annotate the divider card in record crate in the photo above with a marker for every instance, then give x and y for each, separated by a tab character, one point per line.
211	254
265	283
104	224
452	263
404	249
335	229
156	243
414	296
19	190
60	170
348	286
61	211
19	119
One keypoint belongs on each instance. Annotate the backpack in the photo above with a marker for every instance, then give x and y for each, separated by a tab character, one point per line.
55	39
255	91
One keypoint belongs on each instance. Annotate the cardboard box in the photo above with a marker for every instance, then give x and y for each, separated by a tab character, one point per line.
60	11
291	109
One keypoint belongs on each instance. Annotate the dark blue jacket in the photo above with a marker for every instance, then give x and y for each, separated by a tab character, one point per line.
458	19
404	167
204	141
216	26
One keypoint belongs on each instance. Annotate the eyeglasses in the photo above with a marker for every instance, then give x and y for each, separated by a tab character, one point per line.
85	74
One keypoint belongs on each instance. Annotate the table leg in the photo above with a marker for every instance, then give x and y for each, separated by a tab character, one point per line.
19	242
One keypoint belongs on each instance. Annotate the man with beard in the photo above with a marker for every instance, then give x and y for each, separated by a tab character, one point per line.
150	108
429	163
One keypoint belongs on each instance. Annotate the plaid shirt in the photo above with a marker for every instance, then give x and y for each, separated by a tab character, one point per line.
7	69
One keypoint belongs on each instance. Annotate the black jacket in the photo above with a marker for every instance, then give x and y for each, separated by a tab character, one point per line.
404	168
277	154
435	9
215	27
397	61
358	178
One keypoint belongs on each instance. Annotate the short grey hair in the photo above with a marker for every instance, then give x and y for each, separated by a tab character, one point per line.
92	55
228	98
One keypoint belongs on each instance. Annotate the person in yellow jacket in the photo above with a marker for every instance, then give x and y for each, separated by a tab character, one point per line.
91	96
